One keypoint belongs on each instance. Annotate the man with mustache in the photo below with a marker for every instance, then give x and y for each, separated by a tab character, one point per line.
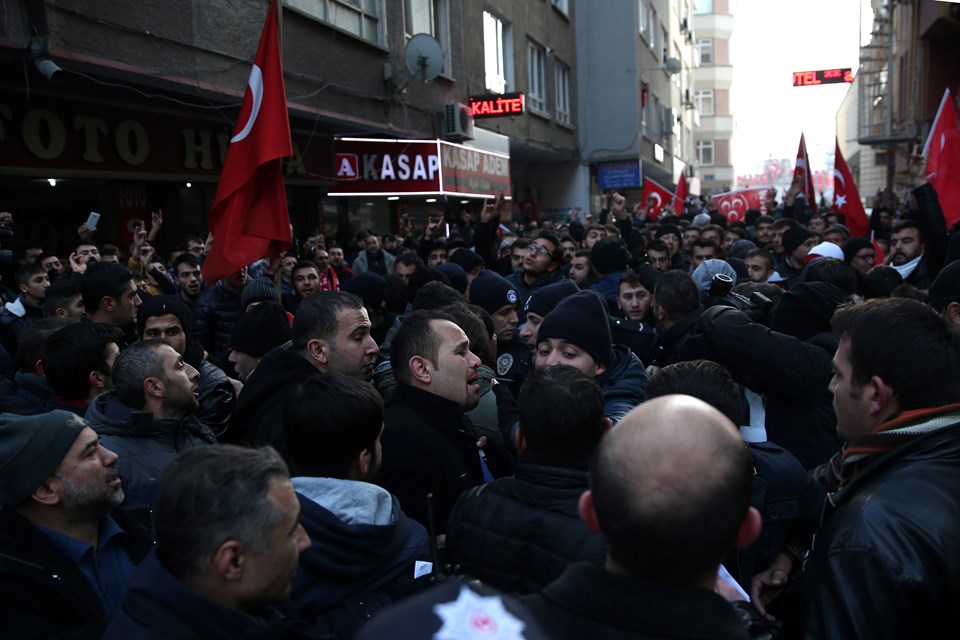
907	255
67	551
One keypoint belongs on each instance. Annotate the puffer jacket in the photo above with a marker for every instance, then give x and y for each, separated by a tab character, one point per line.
624	383
520	533
145	446
217	310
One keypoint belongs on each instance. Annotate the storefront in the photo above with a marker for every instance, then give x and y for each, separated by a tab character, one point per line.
385	182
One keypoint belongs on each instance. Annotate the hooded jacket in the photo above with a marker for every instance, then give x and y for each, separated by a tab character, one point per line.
363	547
26	396
623	383
145	446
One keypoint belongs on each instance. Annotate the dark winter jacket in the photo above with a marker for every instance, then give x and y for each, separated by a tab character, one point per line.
609	287
258	419
145	446
217	397
590	602
886	562
217	310
623	383
43	593
159	607
519	534
524	290
428	447
26	396
792	373
684	341
363	553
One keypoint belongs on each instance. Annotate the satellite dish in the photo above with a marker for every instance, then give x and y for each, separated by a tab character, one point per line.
424	57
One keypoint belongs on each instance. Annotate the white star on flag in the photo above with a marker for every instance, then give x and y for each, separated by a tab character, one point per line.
841	200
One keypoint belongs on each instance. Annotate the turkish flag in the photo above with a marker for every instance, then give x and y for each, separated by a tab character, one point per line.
249	217
802	168
942	151
681	193
846	198
656	195
734	204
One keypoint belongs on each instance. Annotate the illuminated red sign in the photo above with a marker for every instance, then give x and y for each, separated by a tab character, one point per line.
496	106
824	76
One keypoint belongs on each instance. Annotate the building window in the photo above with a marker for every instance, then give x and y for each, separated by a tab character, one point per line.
705	153
705	51
430	17
562	81
664	43
654	28
656	119
497	53
560	5
703	6
678	77
643	7
536	77
361	18
704	100
880	159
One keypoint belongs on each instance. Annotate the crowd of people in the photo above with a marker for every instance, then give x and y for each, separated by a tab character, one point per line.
633	424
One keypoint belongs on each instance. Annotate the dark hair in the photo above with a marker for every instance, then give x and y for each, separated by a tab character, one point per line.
836	272
880	281
907	290
772	291
703	379
102	280
211	494
395	293
328	420
657	245
422	277
316	317
70	354
907	344
409	260
907	224
785	223
762	254
43	256
561	411
631	279
765	220
480	339
58	295
30	346
415	337
186	258
706	243
557	254
136	363
303	263
435	295
677	294
23	272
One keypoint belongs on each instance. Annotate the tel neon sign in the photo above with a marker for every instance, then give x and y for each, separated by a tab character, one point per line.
823	76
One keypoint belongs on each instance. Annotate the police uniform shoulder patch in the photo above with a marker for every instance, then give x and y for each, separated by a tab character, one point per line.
504	363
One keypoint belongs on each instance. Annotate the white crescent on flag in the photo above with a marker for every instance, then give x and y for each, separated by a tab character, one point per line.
654	194
838	175
256	90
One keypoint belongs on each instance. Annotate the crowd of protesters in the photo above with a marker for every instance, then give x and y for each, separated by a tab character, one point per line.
630	424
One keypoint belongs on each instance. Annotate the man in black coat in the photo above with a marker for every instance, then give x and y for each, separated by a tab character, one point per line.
662	561
519	533
428	445
886	561
330	334
66	553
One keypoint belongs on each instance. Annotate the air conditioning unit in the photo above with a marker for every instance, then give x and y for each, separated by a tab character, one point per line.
457	122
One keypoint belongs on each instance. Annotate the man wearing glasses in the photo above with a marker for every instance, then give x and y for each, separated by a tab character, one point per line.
540	267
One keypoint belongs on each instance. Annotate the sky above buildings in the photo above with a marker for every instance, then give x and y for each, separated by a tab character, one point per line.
771	40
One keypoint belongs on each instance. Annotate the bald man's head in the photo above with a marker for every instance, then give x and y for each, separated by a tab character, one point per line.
670	490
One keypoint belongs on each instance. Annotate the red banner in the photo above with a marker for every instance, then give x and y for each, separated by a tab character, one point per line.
655	195
846	197
734	204
942	151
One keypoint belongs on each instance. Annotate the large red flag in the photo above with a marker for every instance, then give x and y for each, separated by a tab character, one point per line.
802	168
249	217
734	204
846	198
656	195
682	193
942	152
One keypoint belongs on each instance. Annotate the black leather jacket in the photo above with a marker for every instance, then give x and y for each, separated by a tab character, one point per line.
886	562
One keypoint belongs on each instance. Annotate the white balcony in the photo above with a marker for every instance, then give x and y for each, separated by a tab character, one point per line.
715	127
713	25
713	77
